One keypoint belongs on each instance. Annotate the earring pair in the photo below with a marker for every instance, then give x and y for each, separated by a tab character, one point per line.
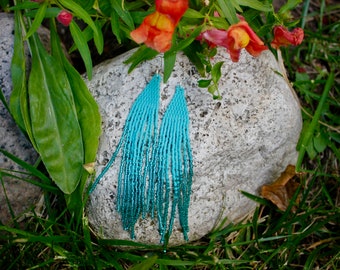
156	167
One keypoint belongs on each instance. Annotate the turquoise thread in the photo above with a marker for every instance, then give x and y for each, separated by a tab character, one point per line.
156	169
173	157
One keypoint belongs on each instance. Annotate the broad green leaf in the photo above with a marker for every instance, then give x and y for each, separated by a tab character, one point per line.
18	73
37	19
87	111
83	48
19	97
122	13
255	4
55	127
228	11
86	107
169	63
88	117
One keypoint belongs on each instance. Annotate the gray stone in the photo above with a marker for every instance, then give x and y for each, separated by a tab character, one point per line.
239	143
21	194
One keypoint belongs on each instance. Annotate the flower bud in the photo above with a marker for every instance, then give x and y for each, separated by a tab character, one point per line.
64	17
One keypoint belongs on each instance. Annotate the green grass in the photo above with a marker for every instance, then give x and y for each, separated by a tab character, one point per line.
308	238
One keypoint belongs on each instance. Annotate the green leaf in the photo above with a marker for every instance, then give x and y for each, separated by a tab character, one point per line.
191	53
117	5
216	72
115	26
169	63
187	41
320	141
28	167
86	107
51	12
25	5
228	11
204	83
105	7
146	264
289	6
255	4
99	39
55	127
142	54
193	14
88	117
18	74
4	4
87	34
86	4
3	100
83	48
306	137
83	14
38	19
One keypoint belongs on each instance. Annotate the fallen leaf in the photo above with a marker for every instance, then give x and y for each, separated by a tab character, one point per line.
282	190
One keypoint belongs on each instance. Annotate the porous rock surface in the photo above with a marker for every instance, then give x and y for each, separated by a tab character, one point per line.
239	143
21	194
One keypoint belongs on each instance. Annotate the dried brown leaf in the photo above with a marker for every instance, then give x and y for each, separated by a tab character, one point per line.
282	190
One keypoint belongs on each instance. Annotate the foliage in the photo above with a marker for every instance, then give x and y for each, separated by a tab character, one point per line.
58	97
55	237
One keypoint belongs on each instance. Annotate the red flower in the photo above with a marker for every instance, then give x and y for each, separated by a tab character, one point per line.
237	37
157	28
155	31
64	17
173	8
282	37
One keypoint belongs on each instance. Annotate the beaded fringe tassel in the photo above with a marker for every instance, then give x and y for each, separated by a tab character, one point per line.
136	143
173	167
156	169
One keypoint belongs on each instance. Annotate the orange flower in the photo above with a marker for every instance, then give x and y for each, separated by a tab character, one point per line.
282	37
173	8
237	37
157	28
241	36
155	31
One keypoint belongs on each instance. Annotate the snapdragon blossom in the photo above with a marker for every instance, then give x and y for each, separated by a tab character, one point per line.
284	37
238	36
157	29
